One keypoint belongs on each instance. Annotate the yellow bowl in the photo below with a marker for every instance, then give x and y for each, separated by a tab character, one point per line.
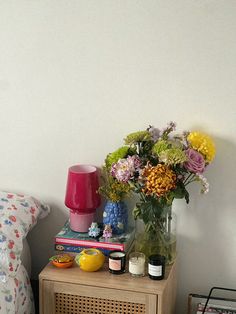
90	259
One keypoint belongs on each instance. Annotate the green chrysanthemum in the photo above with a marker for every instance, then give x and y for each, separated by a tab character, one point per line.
160	147
136	137
172	156
116	155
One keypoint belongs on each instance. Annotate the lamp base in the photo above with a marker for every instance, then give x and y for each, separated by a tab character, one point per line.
80	222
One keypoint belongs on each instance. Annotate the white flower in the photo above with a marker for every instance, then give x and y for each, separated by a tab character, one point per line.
205	184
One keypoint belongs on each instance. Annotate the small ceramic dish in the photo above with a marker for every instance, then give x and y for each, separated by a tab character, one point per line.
62	265
62	260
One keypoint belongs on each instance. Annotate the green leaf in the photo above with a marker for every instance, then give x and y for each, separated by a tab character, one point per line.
136	212
146	212
186	196
178	192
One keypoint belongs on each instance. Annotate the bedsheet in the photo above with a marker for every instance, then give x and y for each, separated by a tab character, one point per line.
16	295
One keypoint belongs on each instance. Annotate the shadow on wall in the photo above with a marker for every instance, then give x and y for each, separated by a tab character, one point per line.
206	230
41	238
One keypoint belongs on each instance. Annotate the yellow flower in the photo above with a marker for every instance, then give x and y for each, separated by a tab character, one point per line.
158	180
203	144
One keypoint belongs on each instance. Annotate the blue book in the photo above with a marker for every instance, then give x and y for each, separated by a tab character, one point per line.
77	249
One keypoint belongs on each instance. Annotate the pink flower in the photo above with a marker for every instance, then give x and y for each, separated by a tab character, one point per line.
196	162
134	163
124	169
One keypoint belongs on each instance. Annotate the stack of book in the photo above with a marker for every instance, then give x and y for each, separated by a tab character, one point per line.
215	308
70	241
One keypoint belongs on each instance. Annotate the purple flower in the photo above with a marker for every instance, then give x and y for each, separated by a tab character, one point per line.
196	162
171	126
155	133
134	163
124	169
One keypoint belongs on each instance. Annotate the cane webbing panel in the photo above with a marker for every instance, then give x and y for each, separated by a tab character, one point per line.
74	304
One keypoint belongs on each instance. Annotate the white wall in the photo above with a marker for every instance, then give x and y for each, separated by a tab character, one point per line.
77	76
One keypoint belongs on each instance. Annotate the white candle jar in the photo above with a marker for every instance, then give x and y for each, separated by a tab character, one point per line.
137	264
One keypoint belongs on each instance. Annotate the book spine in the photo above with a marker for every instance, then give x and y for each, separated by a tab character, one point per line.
90	244
77	249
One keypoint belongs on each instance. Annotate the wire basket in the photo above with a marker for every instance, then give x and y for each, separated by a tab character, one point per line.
204	304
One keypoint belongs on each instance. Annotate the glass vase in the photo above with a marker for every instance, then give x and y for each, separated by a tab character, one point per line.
159	240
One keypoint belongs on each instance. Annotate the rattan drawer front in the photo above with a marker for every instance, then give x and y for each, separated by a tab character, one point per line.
67	298
73	304
73	291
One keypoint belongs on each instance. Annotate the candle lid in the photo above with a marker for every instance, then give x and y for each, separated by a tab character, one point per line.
117	254
156	258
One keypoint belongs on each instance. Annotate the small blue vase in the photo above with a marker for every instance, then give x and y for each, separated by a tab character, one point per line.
116	215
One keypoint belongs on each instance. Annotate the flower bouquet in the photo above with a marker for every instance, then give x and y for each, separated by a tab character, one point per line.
115	212
158	165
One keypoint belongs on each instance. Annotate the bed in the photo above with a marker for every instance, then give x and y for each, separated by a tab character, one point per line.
18	215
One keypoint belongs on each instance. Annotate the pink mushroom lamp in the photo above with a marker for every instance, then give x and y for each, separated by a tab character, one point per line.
82	197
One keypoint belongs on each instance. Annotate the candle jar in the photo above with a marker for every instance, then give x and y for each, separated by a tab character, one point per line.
117	261
156	267
137	264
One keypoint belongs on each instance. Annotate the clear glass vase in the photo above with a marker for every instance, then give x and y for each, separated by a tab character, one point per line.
159	240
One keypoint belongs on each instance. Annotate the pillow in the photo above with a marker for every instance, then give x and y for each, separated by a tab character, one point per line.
18	215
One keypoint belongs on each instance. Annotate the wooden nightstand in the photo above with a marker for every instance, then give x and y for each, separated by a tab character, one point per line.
73	291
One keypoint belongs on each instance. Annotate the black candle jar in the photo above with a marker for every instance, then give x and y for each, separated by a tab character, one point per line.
156	267
117	261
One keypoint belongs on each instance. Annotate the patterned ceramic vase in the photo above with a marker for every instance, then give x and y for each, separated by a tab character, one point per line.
116	215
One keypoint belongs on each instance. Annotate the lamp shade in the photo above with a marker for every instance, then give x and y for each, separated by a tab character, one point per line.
81	189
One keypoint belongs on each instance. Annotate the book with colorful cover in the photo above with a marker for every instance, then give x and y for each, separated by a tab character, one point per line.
69	238
74	249
216	305
215	309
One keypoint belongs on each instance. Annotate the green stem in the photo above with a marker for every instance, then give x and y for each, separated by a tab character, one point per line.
189	179
185	180
169	222
142	197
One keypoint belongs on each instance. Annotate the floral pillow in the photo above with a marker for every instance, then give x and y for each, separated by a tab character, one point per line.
18	215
